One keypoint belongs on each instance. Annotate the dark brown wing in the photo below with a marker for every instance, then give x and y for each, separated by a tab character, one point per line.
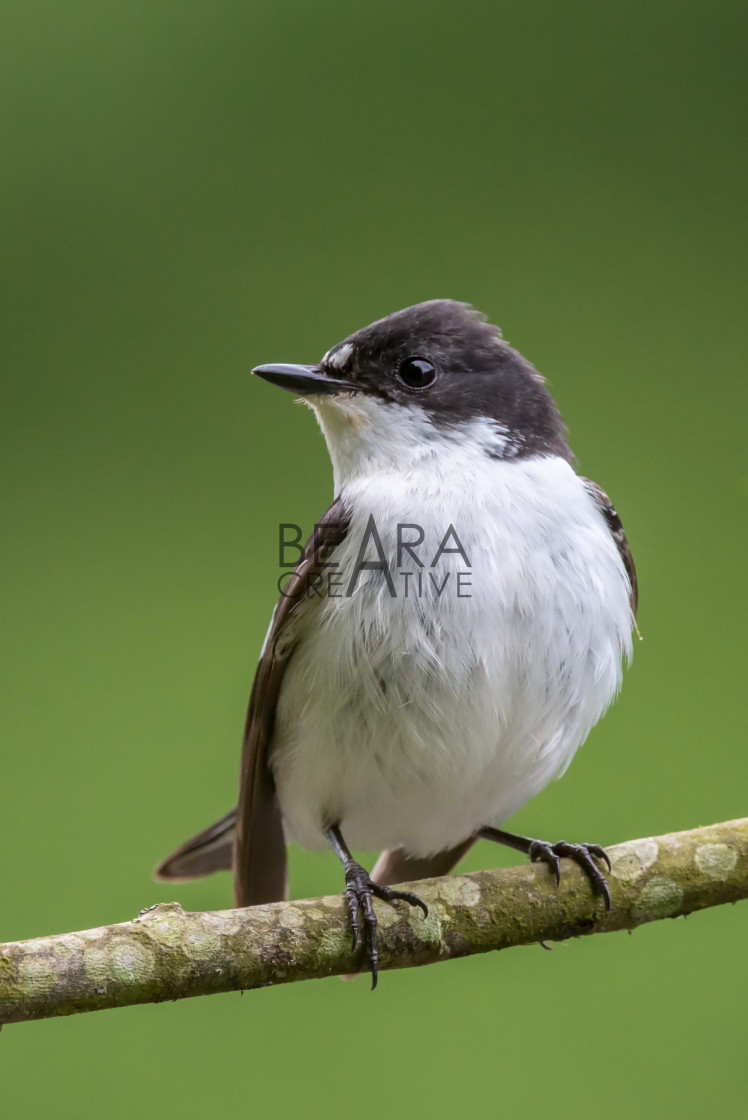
616	531
259	845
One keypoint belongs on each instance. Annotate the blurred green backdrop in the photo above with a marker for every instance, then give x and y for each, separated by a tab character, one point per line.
191	188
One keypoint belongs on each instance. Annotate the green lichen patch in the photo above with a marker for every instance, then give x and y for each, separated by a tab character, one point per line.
202	945
659	898
715	860
460	890
629	861
128	961
96	966
291	918
164	924
37	975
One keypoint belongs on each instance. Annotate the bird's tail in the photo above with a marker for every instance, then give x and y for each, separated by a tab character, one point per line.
211	850
394	866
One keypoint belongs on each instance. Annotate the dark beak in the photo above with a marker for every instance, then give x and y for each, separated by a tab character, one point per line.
302	379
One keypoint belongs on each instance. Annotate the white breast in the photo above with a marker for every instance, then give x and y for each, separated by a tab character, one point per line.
414	721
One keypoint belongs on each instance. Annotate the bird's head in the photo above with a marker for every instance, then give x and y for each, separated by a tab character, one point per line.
430	377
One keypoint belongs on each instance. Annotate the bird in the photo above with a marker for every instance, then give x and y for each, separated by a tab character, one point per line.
458	622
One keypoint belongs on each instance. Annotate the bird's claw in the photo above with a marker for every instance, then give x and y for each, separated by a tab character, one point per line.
582	854
360	888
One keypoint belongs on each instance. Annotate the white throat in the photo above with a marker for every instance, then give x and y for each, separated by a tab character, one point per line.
366	437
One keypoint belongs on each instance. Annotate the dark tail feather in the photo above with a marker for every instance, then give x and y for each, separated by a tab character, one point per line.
211	850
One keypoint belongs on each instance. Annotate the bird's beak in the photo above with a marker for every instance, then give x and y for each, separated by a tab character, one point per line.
303	380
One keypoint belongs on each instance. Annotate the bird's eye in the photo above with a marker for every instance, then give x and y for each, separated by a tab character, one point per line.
417	373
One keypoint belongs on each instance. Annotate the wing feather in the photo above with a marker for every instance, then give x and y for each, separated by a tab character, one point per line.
259	859
613	521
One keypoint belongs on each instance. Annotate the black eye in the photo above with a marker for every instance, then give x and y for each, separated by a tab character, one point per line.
417	373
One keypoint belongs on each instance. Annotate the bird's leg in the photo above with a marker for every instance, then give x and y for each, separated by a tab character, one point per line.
541	851
359	890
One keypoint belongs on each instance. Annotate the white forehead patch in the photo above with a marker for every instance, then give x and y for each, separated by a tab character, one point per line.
337	358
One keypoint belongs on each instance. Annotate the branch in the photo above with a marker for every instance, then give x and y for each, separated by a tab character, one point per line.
168	954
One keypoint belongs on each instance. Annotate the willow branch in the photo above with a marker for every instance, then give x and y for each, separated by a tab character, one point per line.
168	954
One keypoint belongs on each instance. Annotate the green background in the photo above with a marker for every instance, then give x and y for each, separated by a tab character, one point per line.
191	188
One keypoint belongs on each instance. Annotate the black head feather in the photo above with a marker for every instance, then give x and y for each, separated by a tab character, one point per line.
478	375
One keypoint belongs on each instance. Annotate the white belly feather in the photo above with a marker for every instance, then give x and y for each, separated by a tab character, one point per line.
414	721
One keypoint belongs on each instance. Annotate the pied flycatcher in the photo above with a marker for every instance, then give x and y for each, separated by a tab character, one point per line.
455	627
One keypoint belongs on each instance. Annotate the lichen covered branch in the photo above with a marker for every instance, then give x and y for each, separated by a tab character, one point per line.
168	954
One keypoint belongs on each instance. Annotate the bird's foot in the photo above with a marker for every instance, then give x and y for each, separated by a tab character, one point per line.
582	854
360	888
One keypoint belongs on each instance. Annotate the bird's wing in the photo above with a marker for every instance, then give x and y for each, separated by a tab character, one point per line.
613	522
259	846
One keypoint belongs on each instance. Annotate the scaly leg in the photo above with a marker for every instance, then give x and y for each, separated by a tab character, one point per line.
359	890
540	850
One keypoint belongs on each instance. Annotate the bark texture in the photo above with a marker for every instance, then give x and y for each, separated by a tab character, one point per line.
167	954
